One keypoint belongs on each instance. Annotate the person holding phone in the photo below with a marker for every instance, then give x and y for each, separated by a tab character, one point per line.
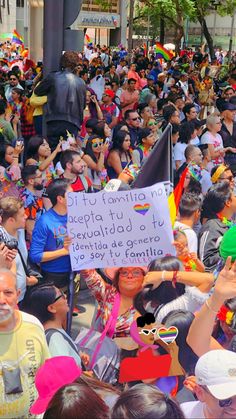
120	154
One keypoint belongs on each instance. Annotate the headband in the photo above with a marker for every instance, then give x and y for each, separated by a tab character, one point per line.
221	169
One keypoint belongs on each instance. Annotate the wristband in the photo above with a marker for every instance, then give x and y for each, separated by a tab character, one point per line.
210	308
163	276
174	279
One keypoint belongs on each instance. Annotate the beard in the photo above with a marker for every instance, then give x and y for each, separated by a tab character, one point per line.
77	172
38	186
6	312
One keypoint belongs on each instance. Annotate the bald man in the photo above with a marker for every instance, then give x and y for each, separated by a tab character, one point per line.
23	349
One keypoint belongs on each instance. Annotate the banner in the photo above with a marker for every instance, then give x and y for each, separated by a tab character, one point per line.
158	166
128	228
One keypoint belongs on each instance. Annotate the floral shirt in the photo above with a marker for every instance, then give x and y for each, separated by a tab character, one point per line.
105	296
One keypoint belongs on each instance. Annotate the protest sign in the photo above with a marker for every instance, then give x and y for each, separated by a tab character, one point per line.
128	228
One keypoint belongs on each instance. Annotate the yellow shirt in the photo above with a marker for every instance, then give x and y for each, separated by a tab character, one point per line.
24	347
37	103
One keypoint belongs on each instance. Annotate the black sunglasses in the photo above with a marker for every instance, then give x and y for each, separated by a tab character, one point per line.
62	295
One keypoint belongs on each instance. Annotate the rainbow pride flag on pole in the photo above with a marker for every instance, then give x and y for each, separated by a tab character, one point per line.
162	52
175	197
88	39
17	38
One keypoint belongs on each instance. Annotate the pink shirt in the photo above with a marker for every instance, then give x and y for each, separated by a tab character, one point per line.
127	96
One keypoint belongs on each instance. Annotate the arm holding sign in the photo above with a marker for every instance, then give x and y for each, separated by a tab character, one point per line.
225	288
96	284
203	281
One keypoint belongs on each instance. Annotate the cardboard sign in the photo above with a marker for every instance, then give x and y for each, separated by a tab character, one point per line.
128	228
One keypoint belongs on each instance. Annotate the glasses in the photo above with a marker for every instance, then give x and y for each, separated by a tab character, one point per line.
97	144
147	332
11	79
135	274
62	295
135	119
151	124
229	178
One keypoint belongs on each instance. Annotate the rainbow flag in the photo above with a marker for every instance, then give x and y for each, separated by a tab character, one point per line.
17	38
88	39
162	52
175	197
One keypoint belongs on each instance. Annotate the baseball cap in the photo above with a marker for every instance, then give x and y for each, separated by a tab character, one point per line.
150	77
50	377
217	370
226	106
110	93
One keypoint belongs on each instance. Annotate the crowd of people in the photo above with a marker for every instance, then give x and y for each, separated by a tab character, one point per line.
88	127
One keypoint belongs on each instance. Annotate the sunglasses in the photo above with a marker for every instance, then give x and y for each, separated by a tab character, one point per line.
12	79
97	144
135	119
135	274
147	332
151	124
62	295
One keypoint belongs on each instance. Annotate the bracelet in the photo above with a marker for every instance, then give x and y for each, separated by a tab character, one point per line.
163	275
174	278
210	308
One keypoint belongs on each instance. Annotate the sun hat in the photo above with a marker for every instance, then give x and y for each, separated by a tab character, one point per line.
111	272
217	370
50	377
228	244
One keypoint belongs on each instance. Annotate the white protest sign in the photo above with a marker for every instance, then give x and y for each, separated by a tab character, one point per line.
128	228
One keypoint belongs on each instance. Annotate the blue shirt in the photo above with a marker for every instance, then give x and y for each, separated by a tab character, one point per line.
48	235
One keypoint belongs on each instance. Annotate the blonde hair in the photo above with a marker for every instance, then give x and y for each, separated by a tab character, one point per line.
211	119
9	207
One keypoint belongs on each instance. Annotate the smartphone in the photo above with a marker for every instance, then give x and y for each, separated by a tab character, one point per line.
65	145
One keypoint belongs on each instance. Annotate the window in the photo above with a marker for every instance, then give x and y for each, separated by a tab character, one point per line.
19	3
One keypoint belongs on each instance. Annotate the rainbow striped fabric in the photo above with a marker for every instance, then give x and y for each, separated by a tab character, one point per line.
162	52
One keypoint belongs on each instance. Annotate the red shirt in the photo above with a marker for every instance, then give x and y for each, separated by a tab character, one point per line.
81	184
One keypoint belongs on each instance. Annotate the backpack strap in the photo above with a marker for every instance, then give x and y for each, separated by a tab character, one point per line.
108	330
50	332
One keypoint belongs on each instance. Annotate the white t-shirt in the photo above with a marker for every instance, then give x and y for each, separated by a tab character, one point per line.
217	142
193	410
190	234
179	150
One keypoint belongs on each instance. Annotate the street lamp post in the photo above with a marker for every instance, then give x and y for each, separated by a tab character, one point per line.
57	35
231	35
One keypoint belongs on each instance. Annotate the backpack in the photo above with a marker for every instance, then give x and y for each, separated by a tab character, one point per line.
103	351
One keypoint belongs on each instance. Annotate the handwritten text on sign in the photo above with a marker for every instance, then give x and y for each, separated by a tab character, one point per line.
129	228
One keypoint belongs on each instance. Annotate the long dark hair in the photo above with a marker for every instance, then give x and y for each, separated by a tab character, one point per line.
38	300
165	292
182	319
89	150
3	149
117	142
33	147
77	401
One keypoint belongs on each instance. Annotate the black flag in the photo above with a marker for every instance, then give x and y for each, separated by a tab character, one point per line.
158	167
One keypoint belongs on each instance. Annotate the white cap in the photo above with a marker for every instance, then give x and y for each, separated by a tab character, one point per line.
217	370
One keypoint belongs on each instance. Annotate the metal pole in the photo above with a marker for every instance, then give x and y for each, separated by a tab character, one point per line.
148	32
214	27
52	35
231	36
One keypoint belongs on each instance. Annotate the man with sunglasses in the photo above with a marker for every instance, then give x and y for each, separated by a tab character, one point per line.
13	82
133	122
215	373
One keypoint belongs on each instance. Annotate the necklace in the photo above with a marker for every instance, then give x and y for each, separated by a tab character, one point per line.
225	221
